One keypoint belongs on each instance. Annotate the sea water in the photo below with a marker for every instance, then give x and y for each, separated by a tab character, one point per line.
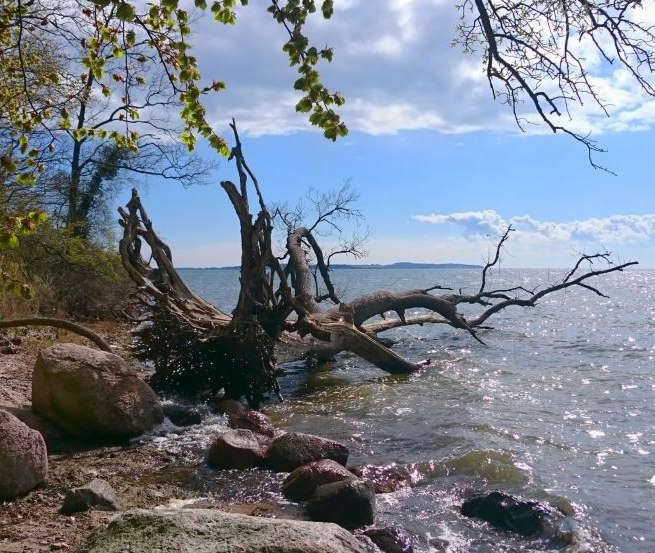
559	405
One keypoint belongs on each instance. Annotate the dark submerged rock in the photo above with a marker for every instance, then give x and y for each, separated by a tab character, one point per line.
229	406
391	539
505	512
301	484
23	457
252	420
385	478
349	503
238	449
182	415
97	495
293	450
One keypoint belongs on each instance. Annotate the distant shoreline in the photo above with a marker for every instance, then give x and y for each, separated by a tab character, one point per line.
397	265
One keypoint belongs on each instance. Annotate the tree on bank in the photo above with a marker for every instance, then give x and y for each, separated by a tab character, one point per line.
280	310
529	57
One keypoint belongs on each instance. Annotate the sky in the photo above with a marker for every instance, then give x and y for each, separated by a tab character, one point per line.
440	168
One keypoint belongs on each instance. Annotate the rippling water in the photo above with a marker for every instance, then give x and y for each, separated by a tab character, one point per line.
559	405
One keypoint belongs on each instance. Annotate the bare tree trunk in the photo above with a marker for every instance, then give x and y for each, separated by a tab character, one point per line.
195	346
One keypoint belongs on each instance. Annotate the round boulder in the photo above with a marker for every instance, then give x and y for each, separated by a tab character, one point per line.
293	450
301	484
385	478
349	503
93	394
238	449
252	420
23	457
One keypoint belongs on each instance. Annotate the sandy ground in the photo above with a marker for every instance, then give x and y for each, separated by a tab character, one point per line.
143	475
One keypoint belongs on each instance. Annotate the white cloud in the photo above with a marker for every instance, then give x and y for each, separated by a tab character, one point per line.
395	65
612	230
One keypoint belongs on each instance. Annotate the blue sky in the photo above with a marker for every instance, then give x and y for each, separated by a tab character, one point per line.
440	167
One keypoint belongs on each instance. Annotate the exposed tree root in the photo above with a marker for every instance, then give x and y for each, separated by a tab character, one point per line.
195	343
58	323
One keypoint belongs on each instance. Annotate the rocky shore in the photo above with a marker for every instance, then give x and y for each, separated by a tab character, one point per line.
76	476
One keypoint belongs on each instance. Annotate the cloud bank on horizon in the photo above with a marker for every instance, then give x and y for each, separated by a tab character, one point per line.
398	71
615	229
536	243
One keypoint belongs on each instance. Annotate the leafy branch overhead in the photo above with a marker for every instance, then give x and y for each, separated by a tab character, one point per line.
156	35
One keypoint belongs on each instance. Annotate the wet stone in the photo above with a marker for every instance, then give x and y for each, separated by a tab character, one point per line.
391	539
182	415
301	484
385	478
238	449
349	503
252	420
505	512
292	450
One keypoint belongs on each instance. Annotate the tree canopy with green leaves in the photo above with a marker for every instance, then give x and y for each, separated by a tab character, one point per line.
91	71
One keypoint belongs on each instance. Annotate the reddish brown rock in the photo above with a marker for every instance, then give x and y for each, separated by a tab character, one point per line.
301	484
238	449
385	478
252	420
23	457
293	450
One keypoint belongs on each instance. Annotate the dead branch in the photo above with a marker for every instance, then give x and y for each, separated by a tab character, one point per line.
58	323
161	283
566	283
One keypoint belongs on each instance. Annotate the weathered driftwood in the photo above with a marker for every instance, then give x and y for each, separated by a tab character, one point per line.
279	303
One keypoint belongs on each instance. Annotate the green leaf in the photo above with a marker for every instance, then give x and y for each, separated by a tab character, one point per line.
304	105
327	8
125	12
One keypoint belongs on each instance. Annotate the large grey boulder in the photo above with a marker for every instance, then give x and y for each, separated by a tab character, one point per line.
23	457
93	394
293	450
210	531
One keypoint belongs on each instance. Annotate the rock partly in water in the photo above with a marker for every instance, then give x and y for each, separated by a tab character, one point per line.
229	407
301	484
252	420
349	503
211	531
293	450
97	495
23	457
93	394
505	512
238	449
385	478
182	415
391	539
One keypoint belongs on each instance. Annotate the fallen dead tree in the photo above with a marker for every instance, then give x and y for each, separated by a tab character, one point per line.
196	347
